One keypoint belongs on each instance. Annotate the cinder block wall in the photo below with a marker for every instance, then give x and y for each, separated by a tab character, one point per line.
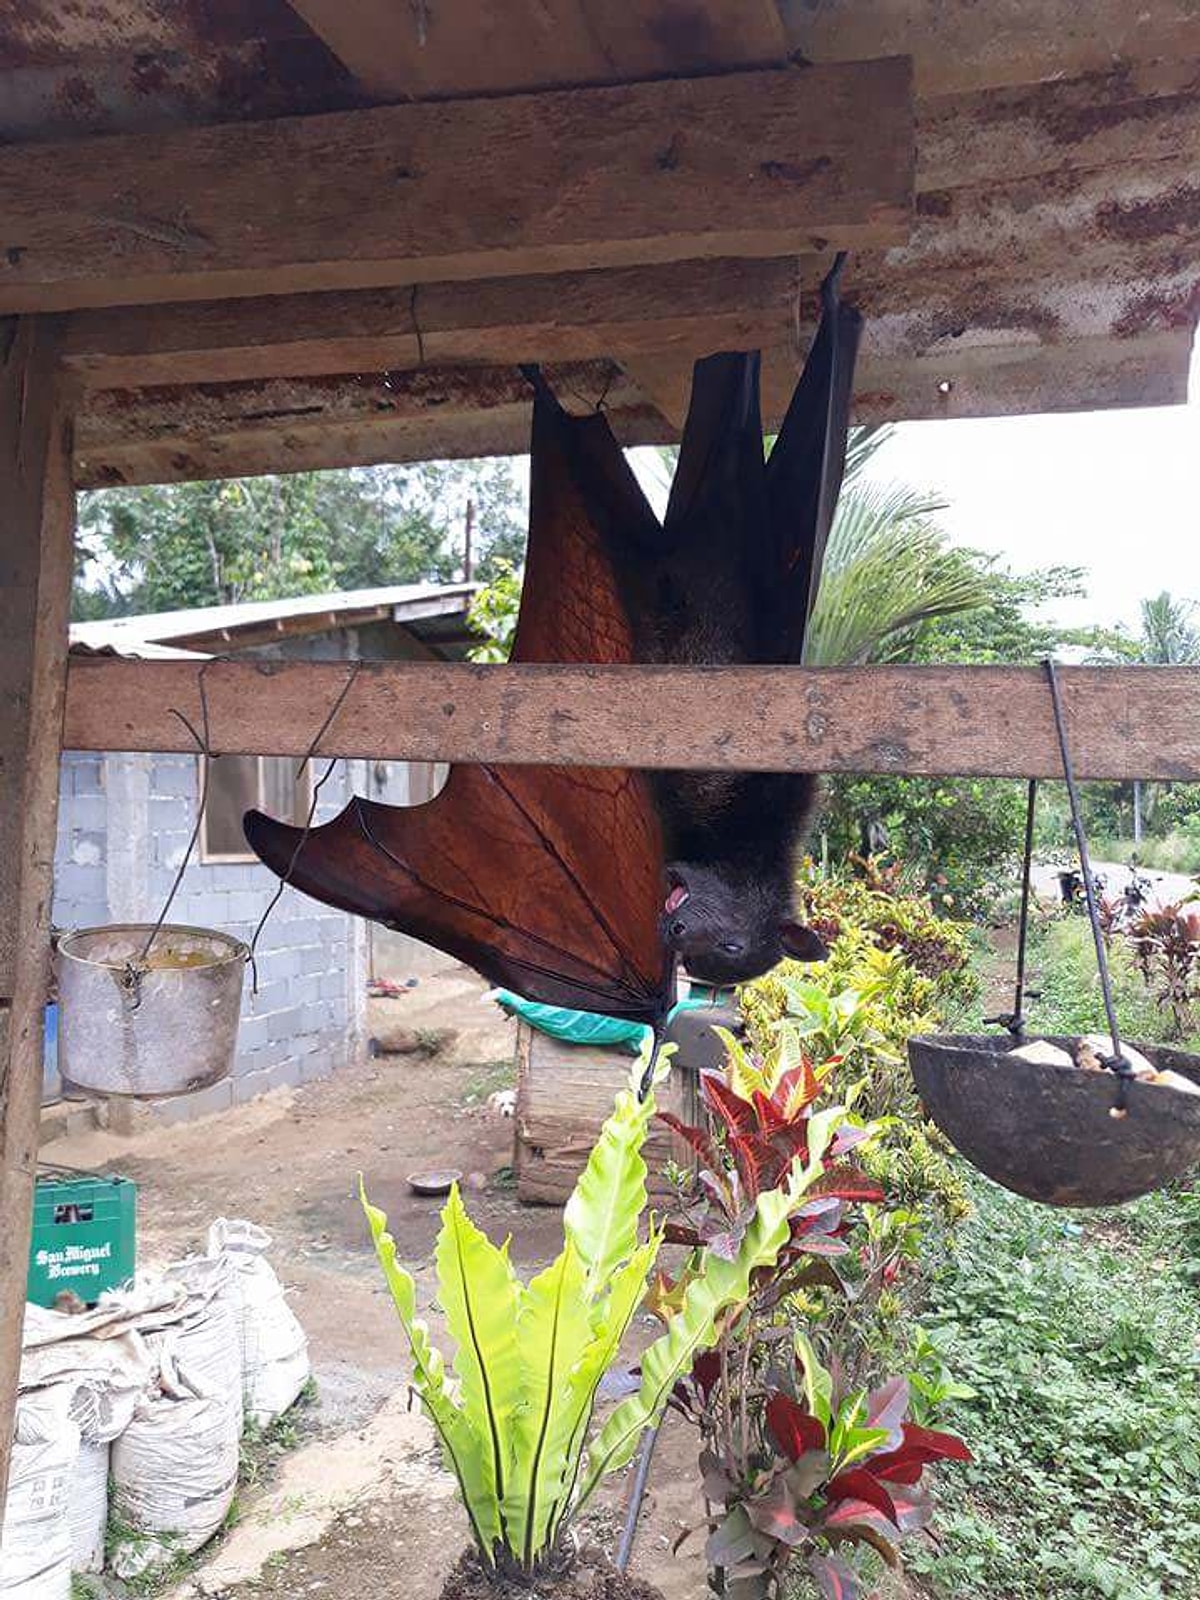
81	854
124	823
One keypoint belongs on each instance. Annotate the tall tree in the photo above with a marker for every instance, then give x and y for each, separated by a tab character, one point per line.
174	546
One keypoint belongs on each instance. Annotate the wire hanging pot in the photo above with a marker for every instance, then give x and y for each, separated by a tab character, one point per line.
148	1010
1042	1124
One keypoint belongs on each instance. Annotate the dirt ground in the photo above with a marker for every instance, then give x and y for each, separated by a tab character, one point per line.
361	1507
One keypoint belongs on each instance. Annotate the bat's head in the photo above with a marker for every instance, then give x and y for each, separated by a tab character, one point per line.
727	928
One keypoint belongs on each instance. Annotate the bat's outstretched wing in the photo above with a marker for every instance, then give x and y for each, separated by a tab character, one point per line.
548	880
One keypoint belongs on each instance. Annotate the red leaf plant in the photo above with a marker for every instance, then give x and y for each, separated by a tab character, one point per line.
797	1465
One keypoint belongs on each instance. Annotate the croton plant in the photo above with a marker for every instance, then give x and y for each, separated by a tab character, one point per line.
798	1466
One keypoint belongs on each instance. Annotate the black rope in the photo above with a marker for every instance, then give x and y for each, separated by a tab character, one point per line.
136	967
285	880
1014	1021
1117	1062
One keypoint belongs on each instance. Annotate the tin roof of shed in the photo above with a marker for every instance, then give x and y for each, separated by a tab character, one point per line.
422	608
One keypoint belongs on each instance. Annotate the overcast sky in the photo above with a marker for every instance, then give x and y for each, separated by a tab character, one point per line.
1117	492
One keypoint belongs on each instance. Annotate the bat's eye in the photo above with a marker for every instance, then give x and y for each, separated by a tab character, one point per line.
733	947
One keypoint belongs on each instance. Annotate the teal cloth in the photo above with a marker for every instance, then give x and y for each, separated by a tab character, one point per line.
582	1027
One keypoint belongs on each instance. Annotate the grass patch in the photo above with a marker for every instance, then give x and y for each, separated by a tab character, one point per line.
262	1448
1079	1336
1176	851
1063	971
486	1079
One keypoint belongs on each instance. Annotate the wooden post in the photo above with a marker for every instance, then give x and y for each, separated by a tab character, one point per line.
37	513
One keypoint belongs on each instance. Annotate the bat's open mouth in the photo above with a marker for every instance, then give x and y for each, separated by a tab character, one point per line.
677	897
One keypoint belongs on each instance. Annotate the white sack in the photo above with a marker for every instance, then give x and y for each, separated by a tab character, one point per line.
207	1343
275	1365
174	1474
88	1507
35	1540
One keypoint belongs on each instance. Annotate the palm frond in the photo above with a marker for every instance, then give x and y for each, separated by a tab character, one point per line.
887	569
864	443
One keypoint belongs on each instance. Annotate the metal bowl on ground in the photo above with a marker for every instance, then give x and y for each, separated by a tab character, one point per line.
1047	1131
147	1028
435	1183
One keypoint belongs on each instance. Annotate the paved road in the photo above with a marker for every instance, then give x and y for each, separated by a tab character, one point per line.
1164	886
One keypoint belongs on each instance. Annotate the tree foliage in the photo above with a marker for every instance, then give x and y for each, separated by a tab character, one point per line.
171	546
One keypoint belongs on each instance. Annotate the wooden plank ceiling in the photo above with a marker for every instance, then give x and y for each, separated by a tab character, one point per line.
1051	259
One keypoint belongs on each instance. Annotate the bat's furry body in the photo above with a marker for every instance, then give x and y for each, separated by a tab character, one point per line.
580	886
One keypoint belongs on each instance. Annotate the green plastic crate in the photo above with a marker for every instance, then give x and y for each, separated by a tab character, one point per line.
84	1237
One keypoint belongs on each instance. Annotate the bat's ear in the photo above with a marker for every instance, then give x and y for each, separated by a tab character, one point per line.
801	943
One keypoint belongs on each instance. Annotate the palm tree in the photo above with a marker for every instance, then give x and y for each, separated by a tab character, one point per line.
888	567
1169	638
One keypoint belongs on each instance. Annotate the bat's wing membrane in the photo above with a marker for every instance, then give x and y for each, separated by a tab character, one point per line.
804	471
545	879
776	515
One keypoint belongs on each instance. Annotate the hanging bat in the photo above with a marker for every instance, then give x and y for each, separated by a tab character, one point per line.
581	886
729	577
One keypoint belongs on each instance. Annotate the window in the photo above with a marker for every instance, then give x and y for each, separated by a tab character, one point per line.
236	784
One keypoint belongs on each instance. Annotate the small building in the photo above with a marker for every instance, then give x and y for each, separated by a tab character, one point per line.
125	820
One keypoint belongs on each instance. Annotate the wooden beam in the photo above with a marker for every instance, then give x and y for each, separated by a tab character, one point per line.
1124	722
465	47
745	164
36	529
166	435
730	303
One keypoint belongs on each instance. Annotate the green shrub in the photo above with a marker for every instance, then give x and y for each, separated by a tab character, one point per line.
961	835
894	969
1079	1341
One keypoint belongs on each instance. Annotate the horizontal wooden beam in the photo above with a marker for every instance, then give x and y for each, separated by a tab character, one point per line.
744	164
730	303
1069	210
465	47
1124	722
168	435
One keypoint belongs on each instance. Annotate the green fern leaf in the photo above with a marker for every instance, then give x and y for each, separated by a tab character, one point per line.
480	1296
601	1217
464	1451
611	1321
554	1330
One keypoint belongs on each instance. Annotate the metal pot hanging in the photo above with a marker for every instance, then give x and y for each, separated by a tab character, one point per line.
145	1018
1051	1129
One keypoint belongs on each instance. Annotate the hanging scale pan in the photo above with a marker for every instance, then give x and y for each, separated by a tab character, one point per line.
1048	1128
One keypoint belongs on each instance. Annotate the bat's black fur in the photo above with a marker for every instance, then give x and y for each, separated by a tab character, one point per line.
728	579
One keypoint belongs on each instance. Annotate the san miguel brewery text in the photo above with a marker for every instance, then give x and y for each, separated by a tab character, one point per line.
76	1261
